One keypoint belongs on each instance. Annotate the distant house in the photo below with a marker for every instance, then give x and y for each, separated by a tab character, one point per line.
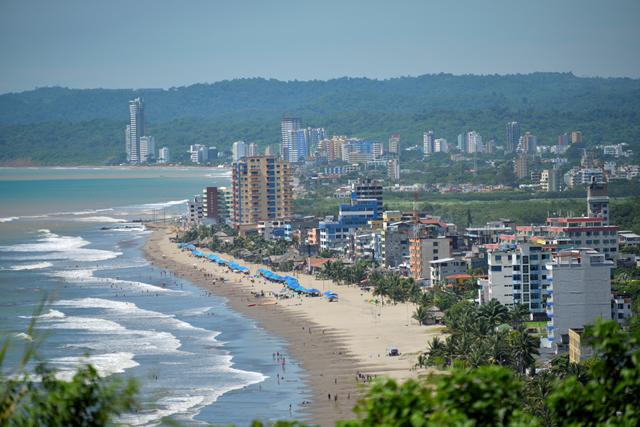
315	264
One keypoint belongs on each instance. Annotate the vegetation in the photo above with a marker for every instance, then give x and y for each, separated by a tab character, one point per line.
59	125
603	391
489	334
252	247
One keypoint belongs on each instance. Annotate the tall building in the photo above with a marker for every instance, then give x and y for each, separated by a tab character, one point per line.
598	201
217	203
424	248
252	150
550	180
261	190
198	153
147	149
367	188
473	142
461	143
564	139
268	151
393	170
127	142
164	155
394	143
287	126
527	143
490	146
428	139
135	129
440	145
298	148
213	154
578	294
513	136
314	136
576	137
238	150
521	166
517	274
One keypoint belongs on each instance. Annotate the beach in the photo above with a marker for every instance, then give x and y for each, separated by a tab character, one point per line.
339	344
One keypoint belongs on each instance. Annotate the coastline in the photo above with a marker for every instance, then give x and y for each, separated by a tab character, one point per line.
332	341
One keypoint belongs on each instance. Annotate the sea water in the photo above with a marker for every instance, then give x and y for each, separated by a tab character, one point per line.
71	236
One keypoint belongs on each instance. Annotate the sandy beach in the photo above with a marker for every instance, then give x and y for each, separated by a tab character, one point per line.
333	341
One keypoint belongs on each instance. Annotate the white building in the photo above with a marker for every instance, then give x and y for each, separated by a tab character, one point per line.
135	130
238	150
445	267
621	309
252	150
195	210
287	126
474	142
147	149
517	274
428	139
393	170
440	145
198	153
578	294
164	156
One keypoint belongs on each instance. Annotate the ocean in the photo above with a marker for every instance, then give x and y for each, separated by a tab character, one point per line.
68	235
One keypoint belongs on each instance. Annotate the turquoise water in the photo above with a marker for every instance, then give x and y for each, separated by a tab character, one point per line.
32	191
67	234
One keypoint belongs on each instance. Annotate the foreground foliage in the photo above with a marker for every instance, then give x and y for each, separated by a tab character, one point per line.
604	391
37	397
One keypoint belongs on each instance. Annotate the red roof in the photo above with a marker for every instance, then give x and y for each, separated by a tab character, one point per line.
317	262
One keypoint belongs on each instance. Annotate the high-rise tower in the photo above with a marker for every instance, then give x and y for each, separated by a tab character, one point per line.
287	128
135	129
513	137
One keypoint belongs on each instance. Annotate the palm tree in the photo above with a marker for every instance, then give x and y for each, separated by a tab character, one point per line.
523	347
518	314
494	312
422	315
438	354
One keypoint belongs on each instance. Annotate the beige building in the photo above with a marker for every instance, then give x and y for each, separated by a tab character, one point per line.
423	250
261	190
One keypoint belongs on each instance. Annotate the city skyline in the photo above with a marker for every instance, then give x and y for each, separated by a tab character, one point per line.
64	45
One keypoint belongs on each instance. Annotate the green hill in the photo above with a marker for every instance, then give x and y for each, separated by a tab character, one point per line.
72	126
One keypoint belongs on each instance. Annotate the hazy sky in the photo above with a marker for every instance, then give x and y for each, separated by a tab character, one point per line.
164	43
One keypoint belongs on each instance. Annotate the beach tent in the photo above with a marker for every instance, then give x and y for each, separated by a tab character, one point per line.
237	267
313	291
331	295
270	275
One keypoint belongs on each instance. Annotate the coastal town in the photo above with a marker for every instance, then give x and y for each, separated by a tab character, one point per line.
386	283
320	214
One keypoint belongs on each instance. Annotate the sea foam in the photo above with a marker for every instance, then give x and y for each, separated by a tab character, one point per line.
53	246
34	266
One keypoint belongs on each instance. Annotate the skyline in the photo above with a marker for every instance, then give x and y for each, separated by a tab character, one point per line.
84	45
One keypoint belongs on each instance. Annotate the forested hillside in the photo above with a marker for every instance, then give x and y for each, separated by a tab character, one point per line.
66	126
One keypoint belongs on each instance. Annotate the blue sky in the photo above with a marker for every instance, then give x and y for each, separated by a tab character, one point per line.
164	43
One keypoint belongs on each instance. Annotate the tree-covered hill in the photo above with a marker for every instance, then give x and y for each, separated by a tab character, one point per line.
59	125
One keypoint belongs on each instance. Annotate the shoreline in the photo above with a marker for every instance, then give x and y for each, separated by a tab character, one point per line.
330	343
